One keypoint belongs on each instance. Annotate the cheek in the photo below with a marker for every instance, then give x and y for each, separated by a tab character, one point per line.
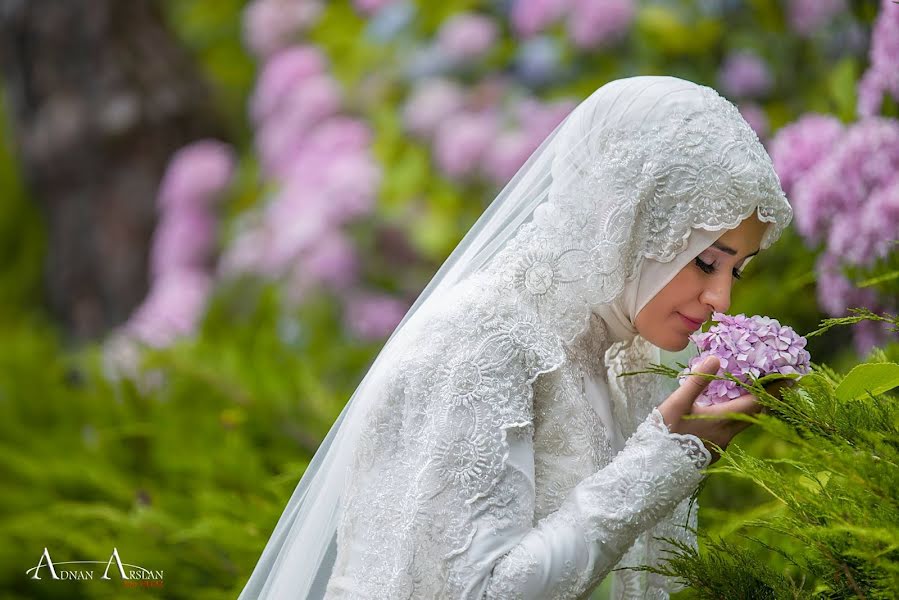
682	288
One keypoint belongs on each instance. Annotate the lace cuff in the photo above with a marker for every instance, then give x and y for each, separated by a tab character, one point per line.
654	471
692	445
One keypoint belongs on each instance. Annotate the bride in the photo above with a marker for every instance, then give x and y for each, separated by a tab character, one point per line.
491	451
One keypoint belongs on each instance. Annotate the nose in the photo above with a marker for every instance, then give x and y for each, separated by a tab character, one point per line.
716	293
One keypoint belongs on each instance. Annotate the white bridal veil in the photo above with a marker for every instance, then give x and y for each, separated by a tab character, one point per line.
629	175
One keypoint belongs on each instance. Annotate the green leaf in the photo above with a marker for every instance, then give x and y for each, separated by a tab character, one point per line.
874	378
842	84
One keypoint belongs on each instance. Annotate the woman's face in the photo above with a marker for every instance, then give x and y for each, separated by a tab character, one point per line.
698	290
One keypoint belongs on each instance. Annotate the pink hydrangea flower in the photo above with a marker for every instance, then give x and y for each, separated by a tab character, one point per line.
279	139
373	316
370	7
196	175
431	102
532	16
182	239
269	25
462	141
466	36
591	23
808	16
798	146
510	150
330	260
882	77
280	74
172	309
745	75
744	345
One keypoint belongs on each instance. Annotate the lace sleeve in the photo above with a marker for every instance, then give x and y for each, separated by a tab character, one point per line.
569	552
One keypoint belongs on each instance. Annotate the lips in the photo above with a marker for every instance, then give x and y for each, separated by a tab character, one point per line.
695	322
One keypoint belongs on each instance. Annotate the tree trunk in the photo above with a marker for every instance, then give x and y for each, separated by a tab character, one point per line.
100	94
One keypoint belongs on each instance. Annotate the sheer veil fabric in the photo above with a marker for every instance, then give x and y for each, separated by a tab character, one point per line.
641	177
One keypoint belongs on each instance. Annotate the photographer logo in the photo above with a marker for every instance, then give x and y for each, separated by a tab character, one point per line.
131	575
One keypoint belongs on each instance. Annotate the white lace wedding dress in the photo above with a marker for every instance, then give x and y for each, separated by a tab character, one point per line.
533	494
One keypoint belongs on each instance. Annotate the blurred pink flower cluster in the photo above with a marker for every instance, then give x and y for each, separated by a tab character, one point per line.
882	76
271	25
183	243
744	74
843	182
470	131
588	23
808	16
756	346
317	163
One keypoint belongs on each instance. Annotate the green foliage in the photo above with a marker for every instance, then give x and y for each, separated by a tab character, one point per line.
185	469
22	237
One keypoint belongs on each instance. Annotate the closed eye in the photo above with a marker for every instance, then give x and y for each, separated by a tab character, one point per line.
711	268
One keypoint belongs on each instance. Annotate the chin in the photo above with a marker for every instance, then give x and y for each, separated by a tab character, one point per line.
671	345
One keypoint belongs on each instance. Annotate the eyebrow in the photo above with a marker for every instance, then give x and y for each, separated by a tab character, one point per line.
730	250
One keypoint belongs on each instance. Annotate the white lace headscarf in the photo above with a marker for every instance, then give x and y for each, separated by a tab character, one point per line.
638	179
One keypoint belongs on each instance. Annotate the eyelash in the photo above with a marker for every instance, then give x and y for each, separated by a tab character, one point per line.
711	268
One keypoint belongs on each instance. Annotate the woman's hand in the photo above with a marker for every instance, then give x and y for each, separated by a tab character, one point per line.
719	431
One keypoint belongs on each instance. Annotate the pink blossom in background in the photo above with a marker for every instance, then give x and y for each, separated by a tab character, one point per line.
182	239
280	138
744	75
849	237
369	7
269	25
591	23
196	175
373	316
172	309
331	260
835	291
431	101
281	73
334	136
866	157
867	334
462	141
245	254
354	181
808	16
755	115
881	216
294	220
756	346
467	36
882	76
539	119
533	16
800	145
507	154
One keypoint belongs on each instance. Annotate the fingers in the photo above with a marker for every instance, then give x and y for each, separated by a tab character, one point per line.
747	404
681	400
694	385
